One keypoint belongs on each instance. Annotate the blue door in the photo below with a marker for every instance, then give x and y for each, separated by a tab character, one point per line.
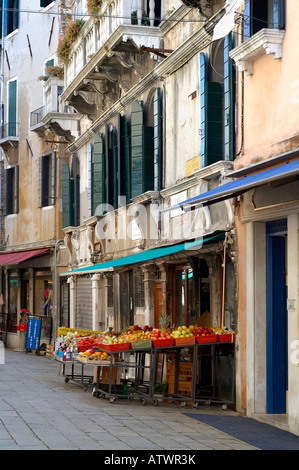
276	320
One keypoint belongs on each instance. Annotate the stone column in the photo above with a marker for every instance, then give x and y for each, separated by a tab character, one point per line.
73	284
149	272
95	286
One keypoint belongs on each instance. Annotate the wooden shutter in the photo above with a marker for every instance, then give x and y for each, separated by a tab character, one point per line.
148	159
127	159
43	181
90	179
278	14
8	191
247	19
98	173
115	169
67	200
122	147
12	108
228	101
203	81
16	189
108	167
52	191
157	140
211	97
136	149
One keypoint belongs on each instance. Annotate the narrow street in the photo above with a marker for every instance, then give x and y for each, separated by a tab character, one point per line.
40	411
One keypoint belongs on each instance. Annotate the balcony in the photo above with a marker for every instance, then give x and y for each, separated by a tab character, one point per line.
106	60
54	116
9	135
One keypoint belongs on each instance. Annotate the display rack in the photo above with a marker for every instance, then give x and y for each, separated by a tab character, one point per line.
127	378
78	378
195	373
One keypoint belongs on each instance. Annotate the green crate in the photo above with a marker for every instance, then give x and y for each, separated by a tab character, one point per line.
141	344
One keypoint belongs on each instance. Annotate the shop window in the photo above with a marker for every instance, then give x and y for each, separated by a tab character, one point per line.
12	310
47	180
10	16
11	190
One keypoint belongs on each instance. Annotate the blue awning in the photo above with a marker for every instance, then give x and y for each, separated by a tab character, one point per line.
240	186
148	255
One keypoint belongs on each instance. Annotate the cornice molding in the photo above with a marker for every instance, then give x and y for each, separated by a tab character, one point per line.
267	41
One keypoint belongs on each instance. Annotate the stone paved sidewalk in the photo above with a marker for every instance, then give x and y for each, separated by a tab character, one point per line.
39	410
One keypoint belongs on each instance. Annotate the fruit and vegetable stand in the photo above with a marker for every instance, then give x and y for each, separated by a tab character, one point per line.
149	364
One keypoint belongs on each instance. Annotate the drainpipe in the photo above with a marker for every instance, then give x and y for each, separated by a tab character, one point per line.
58	242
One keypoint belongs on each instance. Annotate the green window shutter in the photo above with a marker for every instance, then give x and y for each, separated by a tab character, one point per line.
52	192
90	179
203	105
157	140
228	101
43	172
98	173
67	202
211	97
136	149
123	159
8	191
214	127
108	166
148	159
12	107
115	169
127	159
16	190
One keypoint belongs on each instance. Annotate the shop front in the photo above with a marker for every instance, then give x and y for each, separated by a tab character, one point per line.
26	286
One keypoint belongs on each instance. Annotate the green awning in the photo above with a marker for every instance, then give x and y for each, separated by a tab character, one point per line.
148	255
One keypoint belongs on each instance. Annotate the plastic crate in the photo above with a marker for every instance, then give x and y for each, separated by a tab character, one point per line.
162	343
115	347
207	338
226	338
184	341
141	344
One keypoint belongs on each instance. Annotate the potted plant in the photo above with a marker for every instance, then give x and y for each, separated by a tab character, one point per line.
65	43
145	20
52	71
93	6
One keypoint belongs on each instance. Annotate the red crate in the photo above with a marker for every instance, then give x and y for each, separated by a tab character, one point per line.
226	338
115	347
162	343
184	341
207	338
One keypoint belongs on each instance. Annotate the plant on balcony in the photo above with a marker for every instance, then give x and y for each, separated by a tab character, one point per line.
144	21
65	43
93	6
52	71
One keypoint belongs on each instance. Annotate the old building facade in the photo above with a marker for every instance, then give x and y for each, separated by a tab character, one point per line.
158	176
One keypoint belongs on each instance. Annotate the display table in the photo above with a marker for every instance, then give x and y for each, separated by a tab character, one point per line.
195	373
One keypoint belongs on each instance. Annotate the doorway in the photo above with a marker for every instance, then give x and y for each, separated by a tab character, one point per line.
276	302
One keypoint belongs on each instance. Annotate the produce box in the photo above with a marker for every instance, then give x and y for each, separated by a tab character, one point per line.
104	375
207	338
86	360
226	337
162	343
115	347
184	341
141	344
